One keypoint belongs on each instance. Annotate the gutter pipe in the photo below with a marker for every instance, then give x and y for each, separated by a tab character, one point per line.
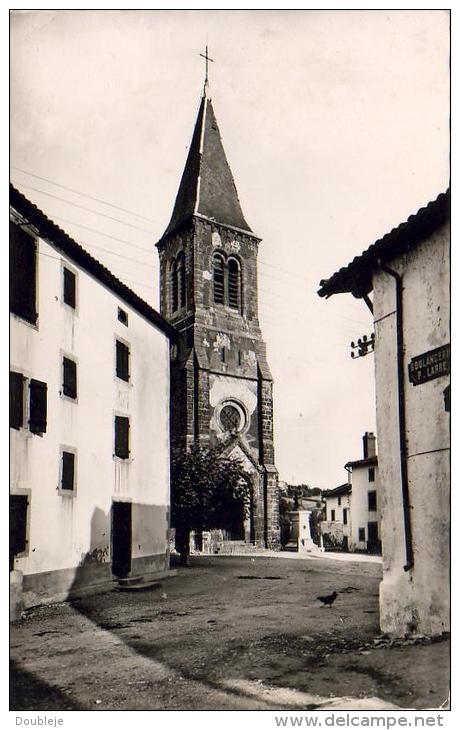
402	415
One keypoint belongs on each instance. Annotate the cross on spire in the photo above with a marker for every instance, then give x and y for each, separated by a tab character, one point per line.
207	58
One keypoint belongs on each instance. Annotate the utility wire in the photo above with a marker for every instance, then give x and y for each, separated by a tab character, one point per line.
107	235
83	207
97	200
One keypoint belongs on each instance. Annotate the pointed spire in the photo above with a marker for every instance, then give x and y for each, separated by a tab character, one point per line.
207	187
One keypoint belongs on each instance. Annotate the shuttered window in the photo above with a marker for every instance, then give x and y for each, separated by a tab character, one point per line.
181	278
69	288
174	286
122	367
38	406
68	471
218	279
233	284
69	377
16	400
23	257
122	316
18	525
122	437
372	501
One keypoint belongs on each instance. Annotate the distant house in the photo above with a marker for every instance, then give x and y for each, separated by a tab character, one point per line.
365	531
335	528
89	418
408	271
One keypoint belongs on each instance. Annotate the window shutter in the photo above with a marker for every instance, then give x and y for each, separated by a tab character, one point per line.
218	279
181	278
69	385
16	399
68	470
122	361
38	406
22	274
122	437
174	287
69	288
233	285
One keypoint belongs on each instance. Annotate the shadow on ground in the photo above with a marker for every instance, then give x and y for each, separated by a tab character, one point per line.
239	633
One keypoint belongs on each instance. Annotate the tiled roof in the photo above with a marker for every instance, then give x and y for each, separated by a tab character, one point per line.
51	232
207	188
356	277
370	461
338	491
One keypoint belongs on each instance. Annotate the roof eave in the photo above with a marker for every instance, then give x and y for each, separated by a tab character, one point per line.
57	237
356	277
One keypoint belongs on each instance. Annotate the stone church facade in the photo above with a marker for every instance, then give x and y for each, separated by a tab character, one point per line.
221	384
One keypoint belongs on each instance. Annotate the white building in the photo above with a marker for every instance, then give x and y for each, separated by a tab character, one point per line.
335	528
89	417
352	516
408	271
364	527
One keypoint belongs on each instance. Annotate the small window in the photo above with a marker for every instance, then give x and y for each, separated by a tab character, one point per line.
23	272
372	474
339	501
122	366
333	515
362	534
218	279
222	354
69	288
18	526
372	501
16	400
69	377
345	517
122	437
38	406
68	471
122	316
233	284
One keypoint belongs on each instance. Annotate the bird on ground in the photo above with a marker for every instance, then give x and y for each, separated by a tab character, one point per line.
327	600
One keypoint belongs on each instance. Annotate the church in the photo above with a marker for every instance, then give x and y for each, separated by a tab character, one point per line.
221	384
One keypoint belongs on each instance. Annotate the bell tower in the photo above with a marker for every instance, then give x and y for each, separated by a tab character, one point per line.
221	385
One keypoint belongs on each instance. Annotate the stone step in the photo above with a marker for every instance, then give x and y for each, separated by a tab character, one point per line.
144	582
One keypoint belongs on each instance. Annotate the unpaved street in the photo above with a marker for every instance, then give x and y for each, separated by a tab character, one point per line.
227	633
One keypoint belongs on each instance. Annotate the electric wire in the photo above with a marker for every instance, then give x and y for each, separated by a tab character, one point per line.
78	192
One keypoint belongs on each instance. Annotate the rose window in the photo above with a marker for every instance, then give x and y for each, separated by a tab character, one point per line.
232	417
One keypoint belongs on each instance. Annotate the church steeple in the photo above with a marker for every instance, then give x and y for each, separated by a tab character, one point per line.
207	188
221	385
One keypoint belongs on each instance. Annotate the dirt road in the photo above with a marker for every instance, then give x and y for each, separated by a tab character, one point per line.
227	633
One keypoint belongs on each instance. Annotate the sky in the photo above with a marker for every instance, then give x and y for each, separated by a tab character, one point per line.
336	127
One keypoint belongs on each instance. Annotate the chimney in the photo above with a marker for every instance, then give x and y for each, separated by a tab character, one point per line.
369	444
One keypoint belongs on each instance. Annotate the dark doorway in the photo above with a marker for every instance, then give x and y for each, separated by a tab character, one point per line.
121	539
373	542
18	526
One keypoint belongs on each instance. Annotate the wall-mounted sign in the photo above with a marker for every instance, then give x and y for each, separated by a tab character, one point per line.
430	365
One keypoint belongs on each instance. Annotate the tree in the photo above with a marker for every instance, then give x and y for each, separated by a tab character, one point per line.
208	491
